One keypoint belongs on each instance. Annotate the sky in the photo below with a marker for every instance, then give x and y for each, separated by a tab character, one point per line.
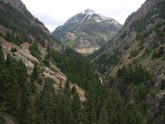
56	12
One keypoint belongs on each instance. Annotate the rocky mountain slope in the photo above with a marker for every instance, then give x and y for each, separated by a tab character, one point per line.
139	45
41	83
18	42
139	41
34	70
14	16
23	37
87	31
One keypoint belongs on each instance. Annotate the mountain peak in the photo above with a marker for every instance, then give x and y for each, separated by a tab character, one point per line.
88	11
87	31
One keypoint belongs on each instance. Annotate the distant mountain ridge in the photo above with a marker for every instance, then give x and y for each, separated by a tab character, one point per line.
86	31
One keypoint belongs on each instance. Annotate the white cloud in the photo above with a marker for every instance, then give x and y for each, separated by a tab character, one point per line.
55	12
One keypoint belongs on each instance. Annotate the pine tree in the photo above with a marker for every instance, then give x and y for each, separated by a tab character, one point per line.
114	105
134	116
48	102
75	106
1	55
63	109
1	79
90	108
103	119
35	74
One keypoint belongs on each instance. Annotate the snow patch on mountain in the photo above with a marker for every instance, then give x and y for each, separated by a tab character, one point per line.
87	15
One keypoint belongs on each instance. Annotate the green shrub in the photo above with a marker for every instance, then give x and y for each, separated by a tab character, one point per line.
159	53
35	51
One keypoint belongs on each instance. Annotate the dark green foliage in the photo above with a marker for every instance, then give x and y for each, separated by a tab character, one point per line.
10	84
76	107
35	73
19	97
77	68
15	93
1	55
135	82
134	116
159	53
136	74
46	61
63	109
162	85
106	61
109	110
48	103
133	53
13	37
1	34
103	119
35	51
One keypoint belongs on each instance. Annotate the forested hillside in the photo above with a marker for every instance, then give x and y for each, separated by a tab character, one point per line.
41	82
133	63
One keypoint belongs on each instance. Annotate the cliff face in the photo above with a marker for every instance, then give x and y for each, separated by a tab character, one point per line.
19	30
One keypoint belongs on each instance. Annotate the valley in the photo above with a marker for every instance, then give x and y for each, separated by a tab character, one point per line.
90	70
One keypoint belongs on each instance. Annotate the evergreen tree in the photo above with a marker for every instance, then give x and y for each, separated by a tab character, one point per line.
112	114
35	74
1	55
75	106
48	102
90	108
103	119
63	109
1	78
134	116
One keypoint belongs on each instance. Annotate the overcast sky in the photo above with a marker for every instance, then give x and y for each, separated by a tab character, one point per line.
55	12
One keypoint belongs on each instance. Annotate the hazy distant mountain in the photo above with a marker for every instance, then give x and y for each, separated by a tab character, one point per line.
87	31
